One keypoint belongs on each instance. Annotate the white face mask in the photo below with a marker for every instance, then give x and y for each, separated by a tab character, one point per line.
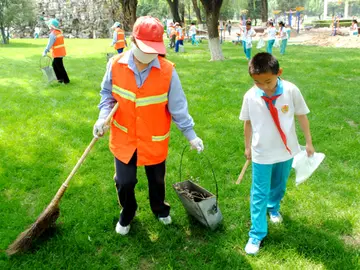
144	58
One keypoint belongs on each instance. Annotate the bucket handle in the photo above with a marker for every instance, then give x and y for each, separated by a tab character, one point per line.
212	170
48	63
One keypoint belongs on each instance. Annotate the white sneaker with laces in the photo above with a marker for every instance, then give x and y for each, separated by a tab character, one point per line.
275	217
252	247
122	230
165	220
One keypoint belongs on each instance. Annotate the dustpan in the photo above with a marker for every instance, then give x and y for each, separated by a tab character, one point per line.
305	166
47	69
199	202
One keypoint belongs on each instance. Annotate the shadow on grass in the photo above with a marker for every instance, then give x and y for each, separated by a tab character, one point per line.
183	247
319	244
14	44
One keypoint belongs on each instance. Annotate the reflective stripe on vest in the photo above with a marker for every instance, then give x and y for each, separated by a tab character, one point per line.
139	101
120	126
124	93
160	138
59	46
151	100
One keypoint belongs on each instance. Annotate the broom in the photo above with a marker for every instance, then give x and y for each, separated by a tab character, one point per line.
49	216
243	171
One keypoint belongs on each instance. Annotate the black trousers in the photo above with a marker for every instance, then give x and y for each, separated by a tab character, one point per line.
59	70
125	180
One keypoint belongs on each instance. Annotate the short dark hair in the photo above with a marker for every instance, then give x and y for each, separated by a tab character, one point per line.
281	23
263	63
248	23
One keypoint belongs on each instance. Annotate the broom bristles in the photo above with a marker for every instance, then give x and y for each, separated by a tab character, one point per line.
24	241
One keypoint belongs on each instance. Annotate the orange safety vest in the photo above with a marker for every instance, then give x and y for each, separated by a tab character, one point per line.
182	35
120	43
142	121
58	48
172	32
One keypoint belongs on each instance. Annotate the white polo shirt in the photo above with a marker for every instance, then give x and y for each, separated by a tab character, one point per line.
266	144
271	31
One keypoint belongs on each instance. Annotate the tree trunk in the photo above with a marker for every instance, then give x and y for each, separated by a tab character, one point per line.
174	8
264	10
129	11
4	37
197	11
212	11
182	12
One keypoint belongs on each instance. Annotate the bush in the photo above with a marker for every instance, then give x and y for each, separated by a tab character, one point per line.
327	23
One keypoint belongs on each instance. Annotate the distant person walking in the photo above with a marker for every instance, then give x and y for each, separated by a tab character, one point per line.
192	34
228	27
57	47
271	33
283	36
354	28
37	32
179	36
119	41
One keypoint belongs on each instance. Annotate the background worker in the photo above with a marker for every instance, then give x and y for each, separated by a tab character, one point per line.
180	35
119	40
57	47
149	93
172	35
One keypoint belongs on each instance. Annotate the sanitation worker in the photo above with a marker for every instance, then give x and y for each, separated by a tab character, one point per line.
57	47
150	96
119	41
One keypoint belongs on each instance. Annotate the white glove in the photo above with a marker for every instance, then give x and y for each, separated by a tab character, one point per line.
44	54
197	144
110	45
100	128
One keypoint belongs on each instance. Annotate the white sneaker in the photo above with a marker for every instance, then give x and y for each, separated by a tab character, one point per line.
165	220
275	217
252	247
122	230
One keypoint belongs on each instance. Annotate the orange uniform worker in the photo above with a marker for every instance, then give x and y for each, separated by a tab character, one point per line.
57	47
180	35
119	40
149	93
172	35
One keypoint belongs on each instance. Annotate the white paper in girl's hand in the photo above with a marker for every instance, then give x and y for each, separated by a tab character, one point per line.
305	166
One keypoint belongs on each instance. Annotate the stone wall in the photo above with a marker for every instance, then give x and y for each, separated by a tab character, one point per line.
78	18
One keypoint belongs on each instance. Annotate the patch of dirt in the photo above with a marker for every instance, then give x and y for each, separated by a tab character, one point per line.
321	37
353	241
352	123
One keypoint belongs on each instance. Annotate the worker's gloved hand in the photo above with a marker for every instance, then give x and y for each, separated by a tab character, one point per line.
110	45
100	128
197	144
44	54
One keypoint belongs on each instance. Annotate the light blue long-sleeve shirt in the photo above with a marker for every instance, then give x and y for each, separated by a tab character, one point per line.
177	103
52	39
114	38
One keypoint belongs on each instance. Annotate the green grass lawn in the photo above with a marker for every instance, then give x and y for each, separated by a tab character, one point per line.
45	128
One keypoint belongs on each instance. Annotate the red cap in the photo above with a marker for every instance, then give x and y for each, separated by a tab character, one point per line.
148	33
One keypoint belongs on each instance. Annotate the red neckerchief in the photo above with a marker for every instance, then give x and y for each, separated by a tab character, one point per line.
275	117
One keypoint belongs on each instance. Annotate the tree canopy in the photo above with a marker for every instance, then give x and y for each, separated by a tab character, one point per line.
15	12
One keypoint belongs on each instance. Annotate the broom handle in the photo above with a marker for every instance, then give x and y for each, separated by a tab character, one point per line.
247	163
63	187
